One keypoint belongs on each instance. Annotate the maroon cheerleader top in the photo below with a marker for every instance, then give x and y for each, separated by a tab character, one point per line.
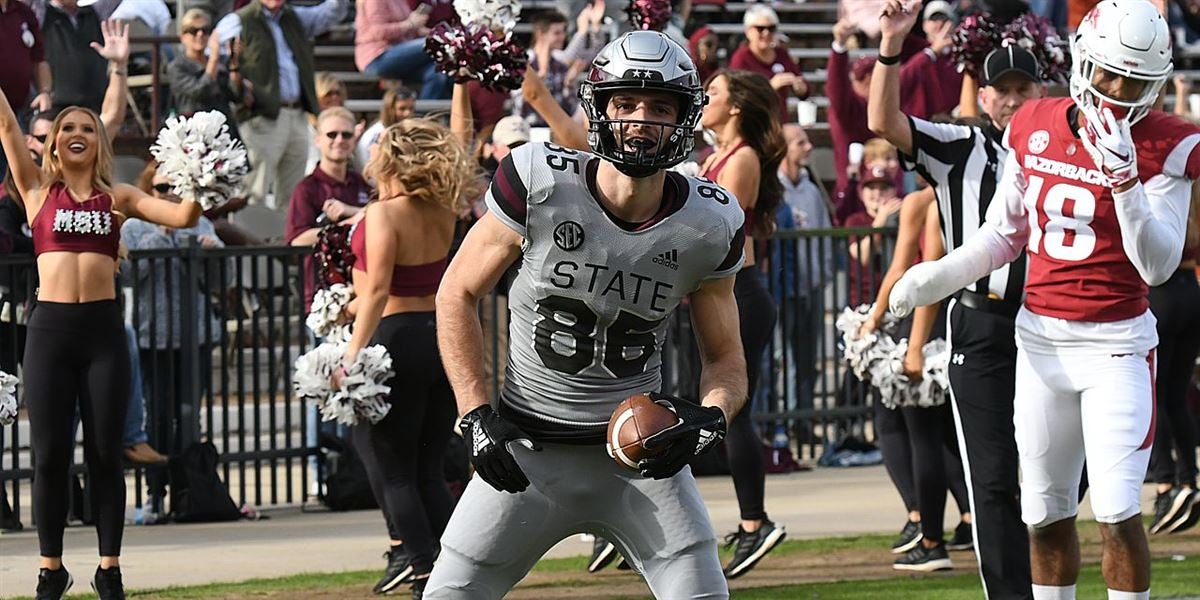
67	225
714	170
407	280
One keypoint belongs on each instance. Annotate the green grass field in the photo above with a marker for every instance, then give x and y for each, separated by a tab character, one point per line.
1177	577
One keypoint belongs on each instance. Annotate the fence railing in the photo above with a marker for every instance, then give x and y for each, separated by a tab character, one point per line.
217	331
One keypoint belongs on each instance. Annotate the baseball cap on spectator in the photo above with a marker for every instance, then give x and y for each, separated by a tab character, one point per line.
938	9
878	174
510	131
1010	59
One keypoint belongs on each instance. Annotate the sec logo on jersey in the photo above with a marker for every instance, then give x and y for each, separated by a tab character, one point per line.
568	235
1039	141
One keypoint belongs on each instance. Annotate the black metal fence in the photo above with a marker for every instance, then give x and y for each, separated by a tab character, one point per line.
216	332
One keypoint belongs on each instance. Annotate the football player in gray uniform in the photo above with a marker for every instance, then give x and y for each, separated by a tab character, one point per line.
609	244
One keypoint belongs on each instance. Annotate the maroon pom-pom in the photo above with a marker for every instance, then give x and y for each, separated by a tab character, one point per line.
649	14
334	257
474	52
977	35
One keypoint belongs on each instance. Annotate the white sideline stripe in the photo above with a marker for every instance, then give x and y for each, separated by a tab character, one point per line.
966	462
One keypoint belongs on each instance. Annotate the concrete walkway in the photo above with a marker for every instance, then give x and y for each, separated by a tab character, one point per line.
820	503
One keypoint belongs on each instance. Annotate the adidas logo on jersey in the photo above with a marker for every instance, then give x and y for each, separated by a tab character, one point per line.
669	259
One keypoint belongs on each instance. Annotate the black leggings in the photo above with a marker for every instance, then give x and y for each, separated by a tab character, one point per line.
77	352
404	452
743	447
1176	305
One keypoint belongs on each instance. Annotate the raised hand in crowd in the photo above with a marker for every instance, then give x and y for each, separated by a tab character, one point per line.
116	42
590	17
941	35
896	19
843	32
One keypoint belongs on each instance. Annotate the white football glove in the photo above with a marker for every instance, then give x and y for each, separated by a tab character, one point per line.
1109	142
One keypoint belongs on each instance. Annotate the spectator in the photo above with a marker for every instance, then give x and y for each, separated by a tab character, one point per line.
941	83
589	36
703	45
331	92
549	34
847	86
398	104
763	54
70	32
801	267
390	44
159	328
333	193
24	58
881	208
277	56
200	83
877	152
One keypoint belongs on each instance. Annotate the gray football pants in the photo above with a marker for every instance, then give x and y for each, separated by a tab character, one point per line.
494	538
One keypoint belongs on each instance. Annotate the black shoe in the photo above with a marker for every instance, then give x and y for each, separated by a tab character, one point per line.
910	536
963	538
1188	515
752	547
1167	509
924	559
603	553
623	564
399	570
107	584
419	581
53	585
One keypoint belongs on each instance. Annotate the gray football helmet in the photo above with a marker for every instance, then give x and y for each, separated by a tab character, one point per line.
642	60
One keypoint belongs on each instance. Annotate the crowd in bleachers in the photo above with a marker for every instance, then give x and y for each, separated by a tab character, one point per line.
269	66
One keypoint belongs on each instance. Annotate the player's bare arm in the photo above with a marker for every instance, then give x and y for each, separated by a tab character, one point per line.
884	116
723	365
486	253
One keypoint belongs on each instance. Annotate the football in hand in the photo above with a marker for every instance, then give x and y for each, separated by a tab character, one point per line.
636	419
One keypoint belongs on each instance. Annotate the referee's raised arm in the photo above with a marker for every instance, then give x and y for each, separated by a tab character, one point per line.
884	116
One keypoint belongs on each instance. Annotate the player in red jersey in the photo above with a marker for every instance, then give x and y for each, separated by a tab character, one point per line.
1097	186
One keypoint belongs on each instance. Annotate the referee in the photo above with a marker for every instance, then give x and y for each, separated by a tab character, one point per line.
963	164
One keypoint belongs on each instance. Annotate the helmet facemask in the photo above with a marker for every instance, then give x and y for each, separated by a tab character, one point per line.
636	63
1085	93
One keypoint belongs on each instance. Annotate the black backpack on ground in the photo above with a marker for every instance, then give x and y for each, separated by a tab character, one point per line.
346	483
197	492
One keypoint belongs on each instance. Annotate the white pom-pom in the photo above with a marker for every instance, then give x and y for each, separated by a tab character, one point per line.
497	15
898	390
327	317
8	399
862	352
689	168
363	394
200	160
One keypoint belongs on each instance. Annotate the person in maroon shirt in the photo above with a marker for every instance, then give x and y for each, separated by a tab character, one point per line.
332	190
25	58
763	54
881	209
848	84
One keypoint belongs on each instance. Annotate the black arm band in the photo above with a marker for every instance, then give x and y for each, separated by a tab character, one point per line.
888	60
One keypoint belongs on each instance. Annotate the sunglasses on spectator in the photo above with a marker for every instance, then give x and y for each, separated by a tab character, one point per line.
162	188
345	135
40	138
765	28
195	30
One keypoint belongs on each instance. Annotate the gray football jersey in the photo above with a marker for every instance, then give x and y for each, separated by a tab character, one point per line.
588	309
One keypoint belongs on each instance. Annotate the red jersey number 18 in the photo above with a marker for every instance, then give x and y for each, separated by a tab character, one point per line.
1067	210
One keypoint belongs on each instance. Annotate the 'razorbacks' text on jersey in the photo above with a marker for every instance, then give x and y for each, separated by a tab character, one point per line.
588	309
1078	269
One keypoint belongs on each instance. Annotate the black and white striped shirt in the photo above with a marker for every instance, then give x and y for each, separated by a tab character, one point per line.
964	164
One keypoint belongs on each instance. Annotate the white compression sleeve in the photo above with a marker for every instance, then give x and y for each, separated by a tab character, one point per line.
1153	220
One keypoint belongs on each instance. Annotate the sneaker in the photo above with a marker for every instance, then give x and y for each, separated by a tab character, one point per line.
752	547
963	538
107	584
924	559
623	564
53	585
603	553
1188	516
419	581
399	570
910	536
1167	508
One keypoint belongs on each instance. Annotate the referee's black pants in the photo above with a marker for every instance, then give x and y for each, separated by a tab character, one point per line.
982	380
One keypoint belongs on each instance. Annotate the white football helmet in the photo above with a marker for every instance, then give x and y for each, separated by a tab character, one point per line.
1128	38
